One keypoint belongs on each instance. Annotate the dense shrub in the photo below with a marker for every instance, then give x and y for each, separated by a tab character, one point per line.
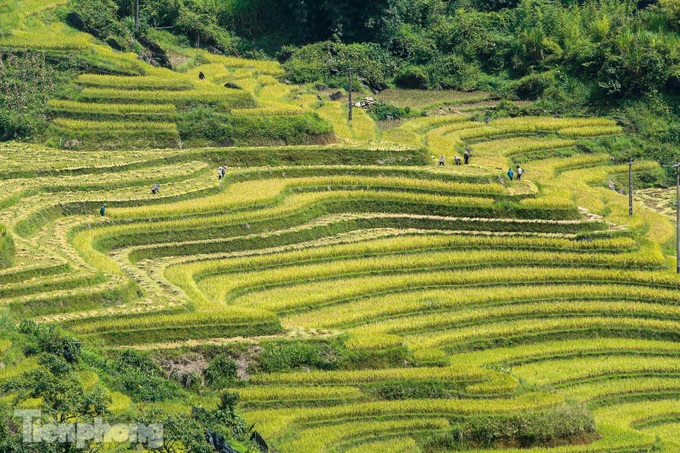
49	339
221	372
6	248
328	62
27	81
139	377
452	72
383	111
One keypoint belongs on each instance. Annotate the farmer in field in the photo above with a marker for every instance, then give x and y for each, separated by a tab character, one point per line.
441	161
466	155
155	189
457	159
511	174
220	173
102	210
520	170
201	76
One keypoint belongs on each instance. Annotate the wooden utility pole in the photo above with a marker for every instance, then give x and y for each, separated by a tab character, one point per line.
137	18
630	187
349	94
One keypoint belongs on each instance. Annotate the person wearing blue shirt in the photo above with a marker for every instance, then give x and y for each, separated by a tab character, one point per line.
511	174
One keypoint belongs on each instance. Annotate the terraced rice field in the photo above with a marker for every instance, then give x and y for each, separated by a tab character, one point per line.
506	296
470	294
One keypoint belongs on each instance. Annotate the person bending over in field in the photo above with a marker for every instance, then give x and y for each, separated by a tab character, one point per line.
441	161
457	159
155	189
220	173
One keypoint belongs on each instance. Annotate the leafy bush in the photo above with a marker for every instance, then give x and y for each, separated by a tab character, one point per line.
412	77
328	62
137	376
452	72
221	372
99	14
383	111
49	339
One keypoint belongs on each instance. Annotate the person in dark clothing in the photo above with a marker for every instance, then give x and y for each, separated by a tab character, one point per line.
102	210
442	161
466	155
201	75
457	159
155	189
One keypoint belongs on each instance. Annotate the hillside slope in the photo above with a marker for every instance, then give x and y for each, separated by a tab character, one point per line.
364	297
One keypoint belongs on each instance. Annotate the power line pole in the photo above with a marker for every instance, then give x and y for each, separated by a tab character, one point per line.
349	94
137	18
677	216
630	187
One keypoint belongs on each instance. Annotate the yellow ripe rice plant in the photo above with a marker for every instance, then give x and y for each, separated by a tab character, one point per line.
620	387
248	84
363	126
395	445
232	96
269	109
528	352
532	326
326	292
265	80
403	136
119	402
121	109
614	439
12	371
334	113
591	131
88	379
225	285
154	321
320	439
439	407
299	393
369	341
356	377
518	145
275	92
251	193
82	125
135	83
443	320
626	414
551	372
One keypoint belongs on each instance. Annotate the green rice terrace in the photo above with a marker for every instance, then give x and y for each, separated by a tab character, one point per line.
347	292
